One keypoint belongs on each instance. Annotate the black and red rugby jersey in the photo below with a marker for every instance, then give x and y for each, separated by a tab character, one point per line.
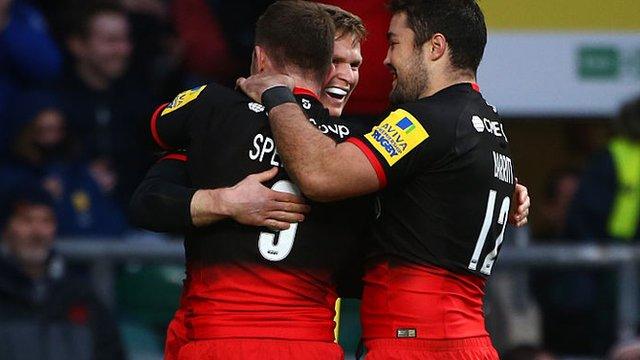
246	281
447	168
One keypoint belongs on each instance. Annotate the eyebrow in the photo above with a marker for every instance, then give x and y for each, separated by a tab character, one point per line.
391	35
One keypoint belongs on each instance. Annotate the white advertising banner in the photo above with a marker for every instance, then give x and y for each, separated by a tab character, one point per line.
553	74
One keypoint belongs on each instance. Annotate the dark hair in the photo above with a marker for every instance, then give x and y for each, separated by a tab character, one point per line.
299	33
346	23
26	194
460	21
627	123
80	21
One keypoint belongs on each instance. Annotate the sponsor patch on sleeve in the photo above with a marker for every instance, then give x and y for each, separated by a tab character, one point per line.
397	135
182	99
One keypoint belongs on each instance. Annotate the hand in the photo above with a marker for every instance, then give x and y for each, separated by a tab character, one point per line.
250	203
520	211
255	85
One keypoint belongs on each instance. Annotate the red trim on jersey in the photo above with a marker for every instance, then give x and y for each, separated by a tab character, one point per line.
154	127
408	300
475	87
303	91
382	177
179	157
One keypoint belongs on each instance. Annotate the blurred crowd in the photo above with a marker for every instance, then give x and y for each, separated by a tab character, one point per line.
599	204
78	82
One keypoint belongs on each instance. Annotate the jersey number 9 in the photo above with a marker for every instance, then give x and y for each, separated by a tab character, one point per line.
277	246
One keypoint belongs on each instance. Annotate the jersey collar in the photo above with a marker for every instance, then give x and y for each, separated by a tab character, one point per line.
303	91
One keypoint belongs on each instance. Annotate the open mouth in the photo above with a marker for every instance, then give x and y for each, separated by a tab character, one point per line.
336	92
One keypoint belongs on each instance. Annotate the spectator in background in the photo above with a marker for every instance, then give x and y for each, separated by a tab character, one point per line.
28	56
564	296
106	105
45	153
607	204
606	210
560	189
45	314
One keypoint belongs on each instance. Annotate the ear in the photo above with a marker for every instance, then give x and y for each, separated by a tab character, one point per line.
436	47
258	59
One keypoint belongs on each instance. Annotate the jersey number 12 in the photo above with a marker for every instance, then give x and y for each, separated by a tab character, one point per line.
486	225
277	246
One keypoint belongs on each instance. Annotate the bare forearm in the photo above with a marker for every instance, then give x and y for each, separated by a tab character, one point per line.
304	150
324	170
207	207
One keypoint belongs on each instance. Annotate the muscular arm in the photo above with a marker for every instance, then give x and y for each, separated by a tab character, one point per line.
323	169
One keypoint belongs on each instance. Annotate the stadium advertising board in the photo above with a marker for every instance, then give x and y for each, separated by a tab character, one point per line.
568	58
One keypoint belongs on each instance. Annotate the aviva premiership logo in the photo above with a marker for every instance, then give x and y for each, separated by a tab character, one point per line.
183	98
397	135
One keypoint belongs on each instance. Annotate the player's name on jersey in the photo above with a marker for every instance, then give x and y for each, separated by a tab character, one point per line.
502	168
263	147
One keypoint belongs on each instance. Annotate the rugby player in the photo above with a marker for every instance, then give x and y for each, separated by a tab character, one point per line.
166	201
168	180
442	161
272	297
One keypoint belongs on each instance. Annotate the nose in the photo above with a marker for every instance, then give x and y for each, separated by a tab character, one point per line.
387	60
346	73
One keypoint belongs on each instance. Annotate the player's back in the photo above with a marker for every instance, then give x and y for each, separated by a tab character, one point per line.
443	216
251	282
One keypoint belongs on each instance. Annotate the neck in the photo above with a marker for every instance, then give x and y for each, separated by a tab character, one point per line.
92	79
445	79
307	83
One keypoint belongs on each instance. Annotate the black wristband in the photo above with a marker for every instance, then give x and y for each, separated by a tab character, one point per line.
277	95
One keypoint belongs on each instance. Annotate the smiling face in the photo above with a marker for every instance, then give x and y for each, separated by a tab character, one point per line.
344	75
29	234
405	61
106	47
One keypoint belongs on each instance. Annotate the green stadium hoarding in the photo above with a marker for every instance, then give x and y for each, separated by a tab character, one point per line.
557	74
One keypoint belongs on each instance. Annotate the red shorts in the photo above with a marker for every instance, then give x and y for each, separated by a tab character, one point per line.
476	348
176	335
262	349
177	330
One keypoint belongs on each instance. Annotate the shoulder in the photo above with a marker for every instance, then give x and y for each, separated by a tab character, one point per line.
204	95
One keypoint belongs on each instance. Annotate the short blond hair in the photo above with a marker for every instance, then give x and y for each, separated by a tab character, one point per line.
346	23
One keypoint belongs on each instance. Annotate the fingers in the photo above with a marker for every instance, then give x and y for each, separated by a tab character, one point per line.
284	216
520	216
276	225
521	192
289	207
266	175
287	197
240	82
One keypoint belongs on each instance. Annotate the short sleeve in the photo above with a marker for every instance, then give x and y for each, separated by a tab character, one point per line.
399	146
170	122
